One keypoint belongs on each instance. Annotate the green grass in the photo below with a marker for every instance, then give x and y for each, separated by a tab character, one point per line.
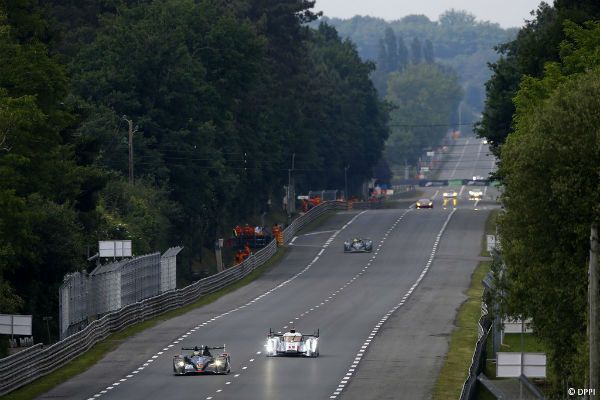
464	337
97	352
463	340
512	343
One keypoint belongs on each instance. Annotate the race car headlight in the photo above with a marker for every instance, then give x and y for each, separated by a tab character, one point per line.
180	363
418	204
218	363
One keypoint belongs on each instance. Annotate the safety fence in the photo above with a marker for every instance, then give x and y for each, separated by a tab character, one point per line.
109	287
28	365
478	361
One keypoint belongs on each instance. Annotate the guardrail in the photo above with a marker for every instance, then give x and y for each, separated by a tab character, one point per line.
478	359
17	370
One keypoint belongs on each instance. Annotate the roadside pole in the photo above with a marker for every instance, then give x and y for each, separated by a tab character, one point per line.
593	312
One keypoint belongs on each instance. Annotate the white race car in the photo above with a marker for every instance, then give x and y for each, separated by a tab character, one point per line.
292	343
450	194
475	194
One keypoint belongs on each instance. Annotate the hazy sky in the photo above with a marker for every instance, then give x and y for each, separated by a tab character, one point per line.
508	13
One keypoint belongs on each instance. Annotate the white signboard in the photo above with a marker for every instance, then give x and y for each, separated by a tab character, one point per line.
515	326
425	169
430	153
491	243
15	324
114	248
509	365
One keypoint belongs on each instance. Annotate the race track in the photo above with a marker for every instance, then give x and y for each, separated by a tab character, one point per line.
384	317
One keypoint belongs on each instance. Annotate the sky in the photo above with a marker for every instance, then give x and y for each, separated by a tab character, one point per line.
508	13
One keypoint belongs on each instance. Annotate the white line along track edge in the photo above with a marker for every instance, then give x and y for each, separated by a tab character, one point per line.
359	355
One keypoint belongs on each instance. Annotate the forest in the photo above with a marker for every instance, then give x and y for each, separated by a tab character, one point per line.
541	118
431	72
219	96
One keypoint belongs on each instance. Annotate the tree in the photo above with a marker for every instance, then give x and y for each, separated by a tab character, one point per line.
554	148
536	43
416	51
428	52
423	94
40	232
402	54
392	50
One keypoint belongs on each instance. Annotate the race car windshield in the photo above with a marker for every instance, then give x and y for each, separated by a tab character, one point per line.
293	338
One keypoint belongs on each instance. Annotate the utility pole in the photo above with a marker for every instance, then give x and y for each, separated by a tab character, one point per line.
132	130
593	301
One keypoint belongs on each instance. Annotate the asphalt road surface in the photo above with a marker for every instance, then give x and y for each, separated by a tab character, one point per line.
384	317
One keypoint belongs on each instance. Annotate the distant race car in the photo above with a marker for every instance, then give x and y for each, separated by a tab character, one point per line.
424	203
478	178
358	246
475	194
201	360
450	194
292	343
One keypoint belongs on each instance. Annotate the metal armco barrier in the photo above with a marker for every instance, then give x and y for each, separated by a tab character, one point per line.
16	370
478	360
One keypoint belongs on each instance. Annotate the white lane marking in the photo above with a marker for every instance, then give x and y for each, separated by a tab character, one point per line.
321	252
293	239
319	232
435	195
255	299
360	353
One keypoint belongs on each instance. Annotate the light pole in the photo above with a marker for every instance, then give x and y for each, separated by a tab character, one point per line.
132	130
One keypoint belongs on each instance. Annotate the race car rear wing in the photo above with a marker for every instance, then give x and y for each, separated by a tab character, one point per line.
204	347
273	334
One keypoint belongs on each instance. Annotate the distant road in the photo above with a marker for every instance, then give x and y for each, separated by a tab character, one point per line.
384	318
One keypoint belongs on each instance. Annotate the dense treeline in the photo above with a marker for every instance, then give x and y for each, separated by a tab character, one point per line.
542	116
456	40
223	94
431	72
424	96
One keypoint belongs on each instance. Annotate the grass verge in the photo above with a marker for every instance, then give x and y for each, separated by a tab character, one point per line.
462	341
464	337
97	352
